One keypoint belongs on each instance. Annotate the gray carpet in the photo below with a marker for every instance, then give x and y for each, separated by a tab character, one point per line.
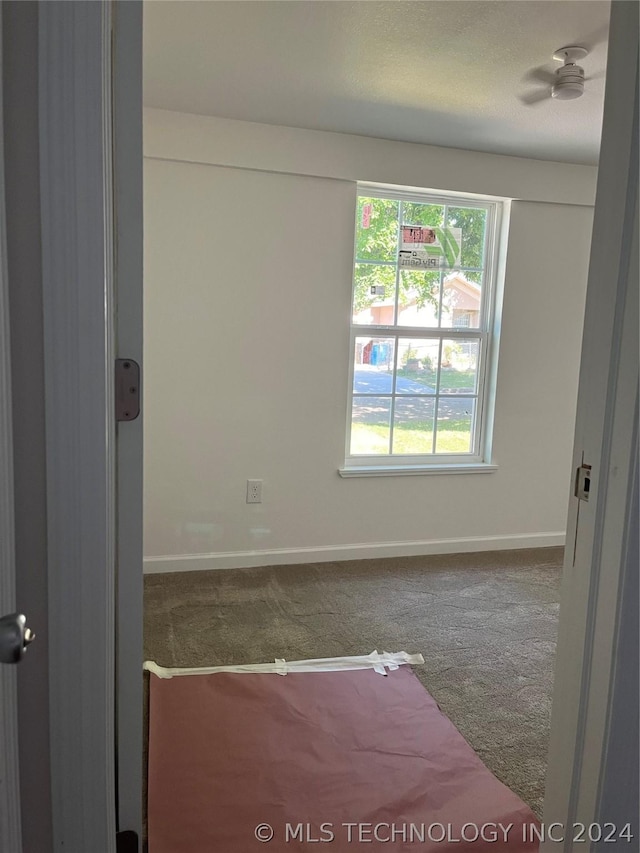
485	623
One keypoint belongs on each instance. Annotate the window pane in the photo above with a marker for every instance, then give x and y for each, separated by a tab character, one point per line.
374	295
370	417
414	213
424	246
419	277
413	425
473	222
377	229
459	367
417	366
373	365
455	425
461	300
419	298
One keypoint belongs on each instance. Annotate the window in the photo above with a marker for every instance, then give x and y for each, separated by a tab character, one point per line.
421	327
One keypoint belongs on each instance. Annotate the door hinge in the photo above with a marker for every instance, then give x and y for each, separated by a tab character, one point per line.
583	482
127	842
127	389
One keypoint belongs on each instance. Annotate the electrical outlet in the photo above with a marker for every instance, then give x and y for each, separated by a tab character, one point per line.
254	491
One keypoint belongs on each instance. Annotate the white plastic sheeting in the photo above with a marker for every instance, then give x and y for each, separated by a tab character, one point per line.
379	662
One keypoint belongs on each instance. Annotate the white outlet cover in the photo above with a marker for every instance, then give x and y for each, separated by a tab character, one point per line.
254	491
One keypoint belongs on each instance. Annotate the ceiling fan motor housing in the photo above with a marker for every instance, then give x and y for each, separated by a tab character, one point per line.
569	82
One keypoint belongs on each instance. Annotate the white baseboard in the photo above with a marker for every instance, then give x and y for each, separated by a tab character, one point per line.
331	553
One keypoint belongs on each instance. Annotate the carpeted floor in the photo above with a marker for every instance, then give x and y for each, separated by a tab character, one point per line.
485	623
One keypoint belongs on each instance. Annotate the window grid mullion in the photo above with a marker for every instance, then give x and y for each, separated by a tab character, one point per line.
437	397
392	412
478	414
373	263
486	288
419	331
442	271
398	247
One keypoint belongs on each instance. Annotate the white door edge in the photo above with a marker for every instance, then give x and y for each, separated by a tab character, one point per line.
127	333
10	819
75	152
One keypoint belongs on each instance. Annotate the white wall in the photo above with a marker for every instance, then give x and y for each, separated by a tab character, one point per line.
247	347
226	142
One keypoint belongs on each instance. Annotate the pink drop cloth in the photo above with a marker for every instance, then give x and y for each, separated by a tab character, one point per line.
336	761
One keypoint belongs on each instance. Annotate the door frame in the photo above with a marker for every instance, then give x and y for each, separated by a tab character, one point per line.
605	438
10	818
91	168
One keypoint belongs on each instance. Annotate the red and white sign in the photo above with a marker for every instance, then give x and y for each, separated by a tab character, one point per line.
417	234
421	247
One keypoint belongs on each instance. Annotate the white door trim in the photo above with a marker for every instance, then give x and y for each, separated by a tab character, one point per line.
10	821
604	438
75	152
128	214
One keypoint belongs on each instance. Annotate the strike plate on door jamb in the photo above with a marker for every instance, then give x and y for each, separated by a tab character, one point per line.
583	482
127	389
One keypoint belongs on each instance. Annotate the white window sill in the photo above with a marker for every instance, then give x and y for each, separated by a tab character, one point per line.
412	470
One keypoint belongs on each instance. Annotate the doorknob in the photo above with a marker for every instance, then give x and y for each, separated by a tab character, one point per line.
14	637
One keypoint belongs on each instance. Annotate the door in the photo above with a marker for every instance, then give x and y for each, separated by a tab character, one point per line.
91	162
23	557
84	244
75	238
10	828
597	535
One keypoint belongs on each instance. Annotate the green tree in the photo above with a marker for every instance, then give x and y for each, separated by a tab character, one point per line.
378	246
378	242
472	222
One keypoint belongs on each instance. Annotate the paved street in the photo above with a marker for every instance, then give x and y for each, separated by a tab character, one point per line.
369	380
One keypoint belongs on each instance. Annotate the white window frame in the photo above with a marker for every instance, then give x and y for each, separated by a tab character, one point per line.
479	460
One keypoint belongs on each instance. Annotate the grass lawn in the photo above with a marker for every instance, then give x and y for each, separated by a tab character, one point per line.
414	437
450	379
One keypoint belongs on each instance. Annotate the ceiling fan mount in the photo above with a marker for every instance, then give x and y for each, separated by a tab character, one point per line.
573	53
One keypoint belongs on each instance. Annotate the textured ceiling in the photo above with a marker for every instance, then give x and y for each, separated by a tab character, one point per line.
443	73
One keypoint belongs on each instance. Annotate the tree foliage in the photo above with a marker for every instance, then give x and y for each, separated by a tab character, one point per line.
378	245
